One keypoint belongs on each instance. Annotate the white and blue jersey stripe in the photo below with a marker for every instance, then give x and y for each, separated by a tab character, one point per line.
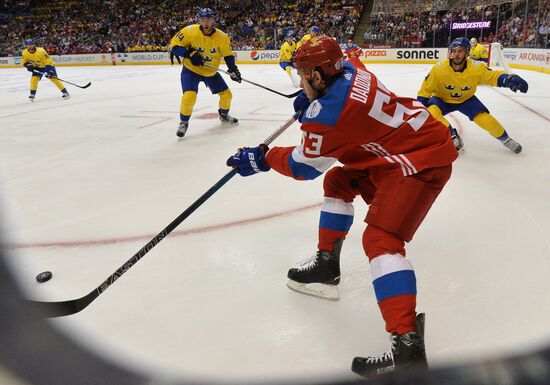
308	168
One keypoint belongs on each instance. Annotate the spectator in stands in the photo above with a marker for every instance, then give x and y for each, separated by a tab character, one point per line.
83	27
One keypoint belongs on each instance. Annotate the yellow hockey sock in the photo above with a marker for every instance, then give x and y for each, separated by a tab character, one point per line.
225	99
34	83
57	83
188	100
489	124
436	113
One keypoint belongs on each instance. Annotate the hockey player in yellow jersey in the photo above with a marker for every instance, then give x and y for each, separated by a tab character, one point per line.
451	86
198	44
313	31
478	51
285	58
37	61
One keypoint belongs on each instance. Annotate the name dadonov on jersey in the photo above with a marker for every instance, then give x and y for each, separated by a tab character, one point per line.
361	87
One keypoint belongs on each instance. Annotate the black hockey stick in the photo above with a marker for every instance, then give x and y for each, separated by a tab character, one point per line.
256	84
64	81
62	308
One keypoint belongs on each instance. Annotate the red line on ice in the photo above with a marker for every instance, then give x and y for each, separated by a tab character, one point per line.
521	104
147	237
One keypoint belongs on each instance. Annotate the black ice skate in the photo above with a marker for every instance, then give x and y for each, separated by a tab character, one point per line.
457	140
31	98
65	96
514	146
318	275
182	129
227	119
407	352
459	144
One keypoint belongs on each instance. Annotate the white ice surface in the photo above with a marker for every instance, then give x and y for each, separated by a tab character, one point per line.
86	182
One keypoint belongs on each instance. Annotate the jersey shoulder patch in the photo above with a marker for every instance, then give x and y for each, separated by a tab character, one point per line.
314	109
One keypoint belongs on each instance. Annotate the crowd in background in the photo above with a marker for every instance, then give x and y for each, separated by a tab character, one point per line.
427	23
94	26
70	26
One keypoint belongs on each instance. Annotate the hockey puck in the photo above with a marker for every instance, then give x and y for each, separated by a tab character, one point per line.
45	276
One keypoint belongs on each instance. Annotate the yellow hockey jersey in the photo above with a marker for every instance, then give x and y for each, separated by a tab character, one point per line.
39	58
457	87
212	48
304	38
286	52
478	52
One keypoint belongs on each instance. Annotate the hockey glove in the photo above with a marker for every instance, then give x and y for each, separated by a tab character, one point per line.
235	74
301	104
513	82
196	58
249	161
49	72
29	67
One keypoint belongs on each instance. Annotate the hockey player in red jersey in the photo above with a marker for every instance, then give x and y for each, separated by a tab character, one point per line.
352	54
395	155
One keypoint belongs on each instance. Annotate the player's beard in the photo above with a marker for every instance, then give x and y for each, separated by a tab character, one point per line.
459	62
316	92
320	92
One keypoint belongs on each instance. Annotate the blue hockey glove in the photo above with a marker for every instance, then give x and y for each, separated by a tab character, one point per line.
301	104
235	74
249	161
29	67
513	82
49	71
196	58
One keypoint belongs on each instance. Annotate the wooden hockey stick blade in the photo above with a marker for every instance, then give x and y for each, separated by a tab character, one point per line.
63	308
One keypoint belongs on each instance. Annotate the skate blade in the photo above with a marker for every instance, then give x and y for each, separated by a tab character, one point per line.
229	122
320	290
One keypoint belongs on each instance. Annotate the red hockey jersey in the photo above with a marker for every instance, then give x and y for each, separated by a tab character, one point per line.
353	51
362	124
